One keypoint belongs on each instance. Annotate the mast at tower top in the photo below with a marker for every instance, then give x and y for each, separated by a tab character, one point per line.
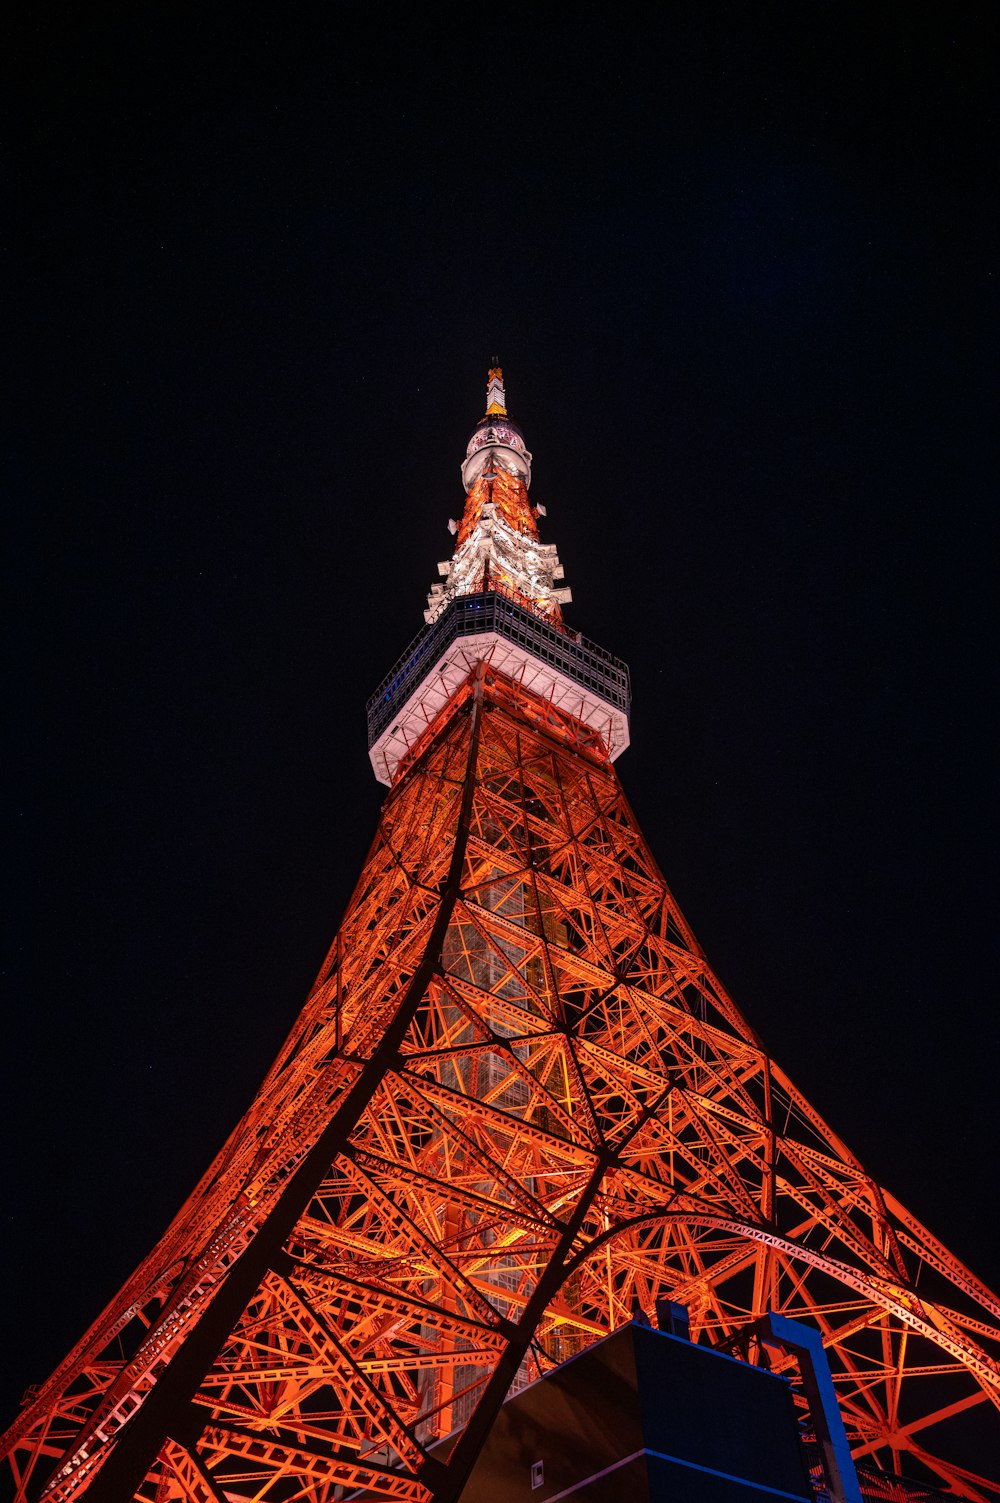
499	600
498	546
496	438
495	395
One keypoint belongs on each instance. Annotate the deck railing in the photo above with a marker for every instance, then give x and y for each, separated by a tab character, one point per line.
469	615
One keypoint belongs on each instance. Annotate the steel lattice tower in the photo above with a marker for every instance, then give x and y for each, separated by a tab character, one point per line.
516	1108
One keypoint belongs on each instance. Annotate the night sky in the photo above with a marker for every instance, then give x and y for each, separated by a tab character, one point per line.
737	271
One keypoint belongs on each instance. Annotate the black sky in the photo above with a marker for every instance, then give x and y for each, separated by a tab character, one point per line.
737	266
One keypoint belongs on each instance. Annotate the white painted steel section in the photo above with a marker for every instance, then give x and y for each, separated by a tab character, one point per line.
531	566
450	672
516	460
496	397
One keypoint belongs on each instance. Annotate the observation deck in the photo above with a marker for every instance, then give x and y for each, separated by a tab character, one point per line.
575	675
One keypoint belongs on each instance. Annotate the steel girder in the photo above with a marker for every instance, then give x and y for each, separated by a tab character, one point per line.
517	1108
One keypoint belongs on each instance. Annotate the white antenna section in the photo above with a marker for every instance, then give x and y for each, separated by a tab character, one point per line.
496	399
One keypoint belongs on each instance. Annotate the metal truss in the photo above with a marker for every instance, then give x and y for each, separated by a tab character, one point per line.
517	1108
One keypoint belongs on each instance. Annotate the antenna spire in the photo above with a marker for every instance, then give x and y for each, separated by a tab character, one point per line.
496	400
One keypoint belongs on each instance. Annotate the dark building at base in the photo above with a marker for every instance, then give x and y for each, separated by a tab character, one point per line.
646	1417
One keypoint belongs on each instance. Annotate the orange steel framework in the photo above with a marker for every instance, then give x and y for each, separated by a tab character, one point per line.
517	1108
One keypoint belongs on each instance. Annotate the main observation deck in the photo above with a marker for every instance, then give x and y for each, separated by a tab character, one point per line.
577	676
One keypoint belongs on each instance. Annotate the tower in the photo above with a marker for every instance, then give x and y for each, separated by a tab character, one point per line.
517	1109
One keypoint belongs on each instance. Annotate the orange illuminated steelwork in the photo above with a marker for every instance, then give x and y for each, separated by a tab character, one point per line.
510	498
518	1108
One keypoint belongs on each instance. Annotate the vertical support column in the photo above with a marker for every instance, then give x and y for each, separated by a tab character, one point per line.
806	1344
